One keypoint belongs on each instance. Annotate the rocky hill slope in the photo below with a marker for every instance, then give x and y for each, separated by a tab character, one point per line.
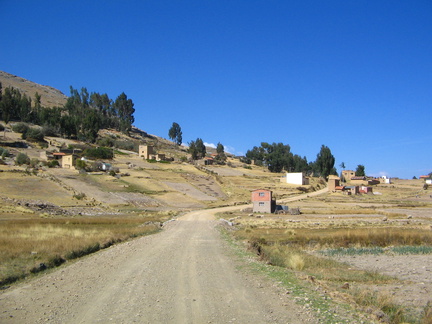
50	97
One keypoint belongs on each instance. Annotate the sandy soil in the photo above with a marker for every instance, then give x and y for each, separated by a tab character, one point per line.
185	274
415	272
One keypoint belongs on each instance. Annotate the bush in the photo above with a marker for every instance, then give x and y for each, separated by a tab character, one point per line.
3	152
22	158
105	141
34	162
20	128
53	164
33	134
80	164
49	131
2	128
99	153
126	145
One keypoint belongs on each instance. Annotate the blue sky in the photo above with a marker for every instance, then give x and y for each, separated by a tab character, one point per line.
355	76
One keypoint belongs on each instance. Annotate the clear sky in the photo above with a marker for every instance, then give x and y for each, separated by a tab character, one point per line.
355	76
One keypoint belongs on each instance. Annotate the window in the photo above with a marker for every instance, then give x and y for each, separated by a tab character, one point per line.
261	194
261	204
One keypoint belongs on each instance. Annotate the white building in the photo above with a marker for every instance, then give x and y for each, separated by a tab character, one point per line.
386	180
296	178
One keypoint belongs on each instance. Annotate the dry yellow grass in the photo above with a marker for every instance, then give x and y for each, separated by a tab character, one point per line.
27	243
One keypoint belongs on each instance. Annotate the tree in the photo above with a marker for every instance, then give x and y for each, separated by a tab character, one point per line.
175	133
125	110
221	156
360	171
324	163
197	149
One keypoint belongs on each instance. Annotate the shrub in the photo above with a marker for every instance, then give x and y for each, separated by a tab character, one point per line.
49	131
3	152
99	153
22	158
20	128
105	141
53	164
296	262
80	164
126	145
34	162
79	196
33	133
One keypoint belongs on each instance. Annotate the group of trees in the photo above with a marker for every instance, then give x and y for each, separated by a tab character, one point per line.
197	149
277	157
82	116
88	113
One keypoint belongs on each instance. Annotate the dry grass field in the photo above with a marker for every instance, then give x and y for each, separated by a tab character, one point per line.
374	251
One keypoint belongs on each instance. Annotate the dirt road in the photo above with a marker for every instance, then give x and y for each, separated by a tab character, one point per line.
184	274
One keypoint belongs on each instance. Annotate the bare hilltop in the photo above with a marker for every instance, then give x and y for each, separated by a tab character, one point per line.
50	97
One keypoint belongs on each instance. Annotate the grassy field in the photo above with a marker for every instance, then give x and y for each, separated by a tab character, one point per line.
334	224
30	245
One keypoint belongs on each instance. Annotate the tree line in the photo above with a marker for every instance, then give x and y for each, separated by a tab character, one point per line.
277	157
83	115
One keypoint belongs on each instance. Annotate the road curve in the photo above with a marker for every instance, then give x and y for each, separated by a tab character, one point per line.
184	274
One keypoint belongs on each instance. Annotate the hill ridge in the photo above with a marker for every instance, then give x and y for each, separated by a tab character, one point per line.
50	96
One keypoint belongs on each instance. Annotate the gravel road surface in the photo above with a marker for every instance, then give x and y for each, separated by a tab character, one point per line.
184	274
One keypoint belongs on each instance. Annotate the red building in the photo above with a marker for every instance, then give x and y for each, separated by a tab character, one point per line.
263	201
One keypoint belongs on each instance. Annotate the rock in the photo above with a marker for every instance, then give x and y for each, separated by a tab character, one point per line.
345	285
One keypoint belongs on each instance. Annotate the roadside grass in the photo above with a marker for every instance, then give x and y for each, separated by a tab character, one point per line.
322	238
33	245
295	250
324	307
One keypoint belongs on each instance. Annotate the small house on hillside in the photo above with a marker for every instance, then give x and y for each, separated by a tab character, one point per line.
67	162
146	151
333	182
149	153
347	175
263	201
296	178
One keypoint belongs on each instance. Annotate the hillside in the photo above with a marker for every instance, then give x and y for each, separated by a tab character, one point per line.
50	96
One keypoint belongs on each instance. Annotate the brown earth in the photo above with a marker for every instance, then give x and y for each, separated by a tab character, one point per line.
414	271
50	97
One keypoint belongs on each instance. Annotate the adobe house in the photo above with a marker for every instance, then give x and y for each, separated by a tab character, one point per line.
365	190
67	162
333	182
352	190
359	180
347	175
146	151
296	178
263	201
